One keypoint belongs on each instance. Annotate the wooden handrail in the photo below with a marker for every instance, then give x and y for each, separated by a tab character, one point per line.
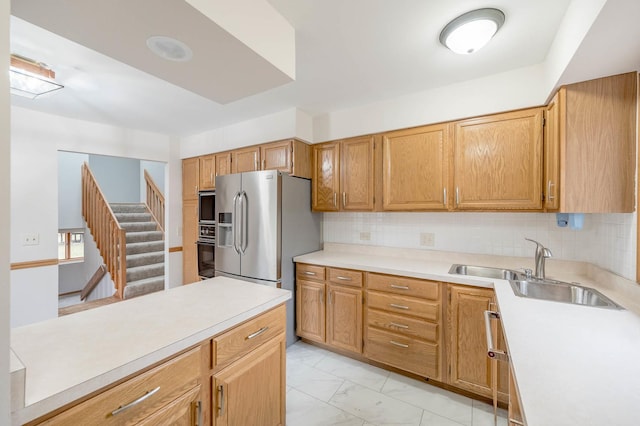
155	201
109	236
93	282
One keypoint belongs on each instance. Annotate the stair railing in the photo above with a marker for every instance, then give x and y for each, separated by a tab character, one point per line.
155	201
109	236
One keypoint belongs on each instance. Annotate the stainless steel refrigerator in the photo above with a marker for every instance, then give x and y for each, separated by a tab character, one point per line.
264	219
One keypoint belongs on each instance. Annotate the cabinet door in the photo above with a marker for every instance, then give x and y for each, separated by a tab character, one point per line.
183	411
310	310
223	164
276	156
344	318
415	169
552	152
356	174
207	172
325	183
190	178
469	366
498	161
246	160
250	392
189	238
301	159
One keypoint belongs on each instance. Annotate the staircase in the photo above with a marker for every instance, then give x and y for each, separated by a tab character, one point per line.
145	249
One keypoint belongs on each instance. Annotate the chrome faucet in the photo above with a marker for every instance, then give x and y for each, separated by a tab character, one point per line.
542	253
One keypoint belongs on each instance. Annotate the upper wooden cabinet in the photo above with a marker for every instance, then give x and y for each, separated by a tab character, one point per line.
245	160
498	161
190	178
415	168
207	172
343	175
592	127
288	156
223	163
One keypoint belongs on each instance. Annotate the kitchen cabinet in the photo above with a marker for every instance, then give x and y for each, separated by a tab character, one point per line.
190	178
189	238
469	366
404	318
343	175
515	416
289	156
172	391
207	172
223	163
591	127
498	161
416	166
329	311
248	376
245	159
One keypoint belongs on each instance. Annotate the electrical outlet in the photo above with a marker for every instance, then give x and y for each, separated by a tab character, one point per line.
30	239
365	236
427	239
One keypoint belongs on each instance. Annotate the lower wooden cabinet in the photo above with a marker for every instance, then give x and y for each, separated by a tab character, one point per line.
251	390
186	410
515	412
469	367
344	318
310	310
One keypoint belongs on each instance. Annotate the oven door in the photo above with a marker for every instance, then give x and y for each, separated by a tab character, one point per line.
206	259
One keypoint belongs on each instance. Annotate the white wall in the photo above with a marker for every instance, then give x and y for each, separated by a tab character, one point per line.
173	232
70	189
36	138
5	229
607	240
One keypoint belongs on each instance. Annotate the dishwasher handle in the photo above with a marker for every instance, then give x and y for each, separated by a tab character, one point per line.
491	351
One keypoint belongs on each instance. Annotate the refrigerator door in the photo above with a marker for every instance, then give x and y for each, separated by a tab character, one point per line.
227	253
260	202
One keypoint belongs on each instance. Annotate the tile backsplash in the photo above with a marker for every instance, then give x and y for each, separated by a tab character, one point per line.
606	240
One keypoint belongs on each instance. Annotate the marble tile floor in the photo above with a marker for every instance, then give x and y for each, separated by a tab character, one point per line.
324	388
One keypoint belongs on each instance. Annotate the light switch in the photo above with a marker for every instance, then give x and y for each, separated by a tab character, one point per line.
30	239
427	239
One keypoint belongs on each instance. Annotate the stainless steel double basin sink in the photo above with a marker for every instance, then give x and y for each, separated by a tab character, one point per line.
546	289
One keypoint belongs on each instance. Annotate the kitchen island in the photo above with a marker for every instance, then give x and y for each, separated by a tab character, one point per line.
573	365
59	361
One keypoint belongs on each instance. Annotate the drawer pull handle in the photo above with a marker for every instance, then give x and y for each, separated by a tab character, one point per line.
491	351
257	333
122	408
393	305
309	273
221	406
401	345
399	287
341	278
395	324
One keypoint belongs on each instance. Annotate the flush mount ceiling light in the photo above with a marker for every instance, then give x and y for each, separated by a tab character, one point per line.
471	31
169	48
31	79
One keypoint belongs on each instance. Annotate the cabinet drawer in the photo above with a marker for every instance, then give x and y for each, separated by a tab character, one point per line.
246	337
161	385
404	305
404	325
309	272
405	286
404	353
345	277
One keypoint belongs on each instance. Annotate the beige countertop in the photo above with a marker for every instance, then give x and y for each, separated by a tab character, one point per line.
57	361
574	365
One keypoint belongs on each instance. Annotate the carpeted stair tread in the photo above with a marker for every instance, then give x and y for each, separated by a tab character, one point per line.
139	226
143	259
133	217
144	286
128	208
144	247
141	237
147	271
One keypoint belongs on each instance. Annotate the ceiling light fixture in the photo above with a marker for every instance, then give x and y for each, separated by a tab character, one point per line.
471	31
169	48
31	79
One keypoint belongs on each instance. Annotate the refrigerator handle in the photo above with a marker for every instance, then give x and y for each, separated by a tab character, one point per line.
234	222
245	222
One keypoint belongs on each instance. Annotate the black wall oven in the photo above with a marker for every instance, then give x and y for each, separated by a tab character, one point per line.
206	234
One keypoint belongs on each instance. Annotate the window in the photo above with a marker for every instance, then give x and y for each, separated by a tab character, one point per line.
70	245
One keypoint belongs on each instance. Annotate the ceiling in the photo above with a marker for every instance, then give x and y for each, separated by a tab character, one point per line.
347	53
